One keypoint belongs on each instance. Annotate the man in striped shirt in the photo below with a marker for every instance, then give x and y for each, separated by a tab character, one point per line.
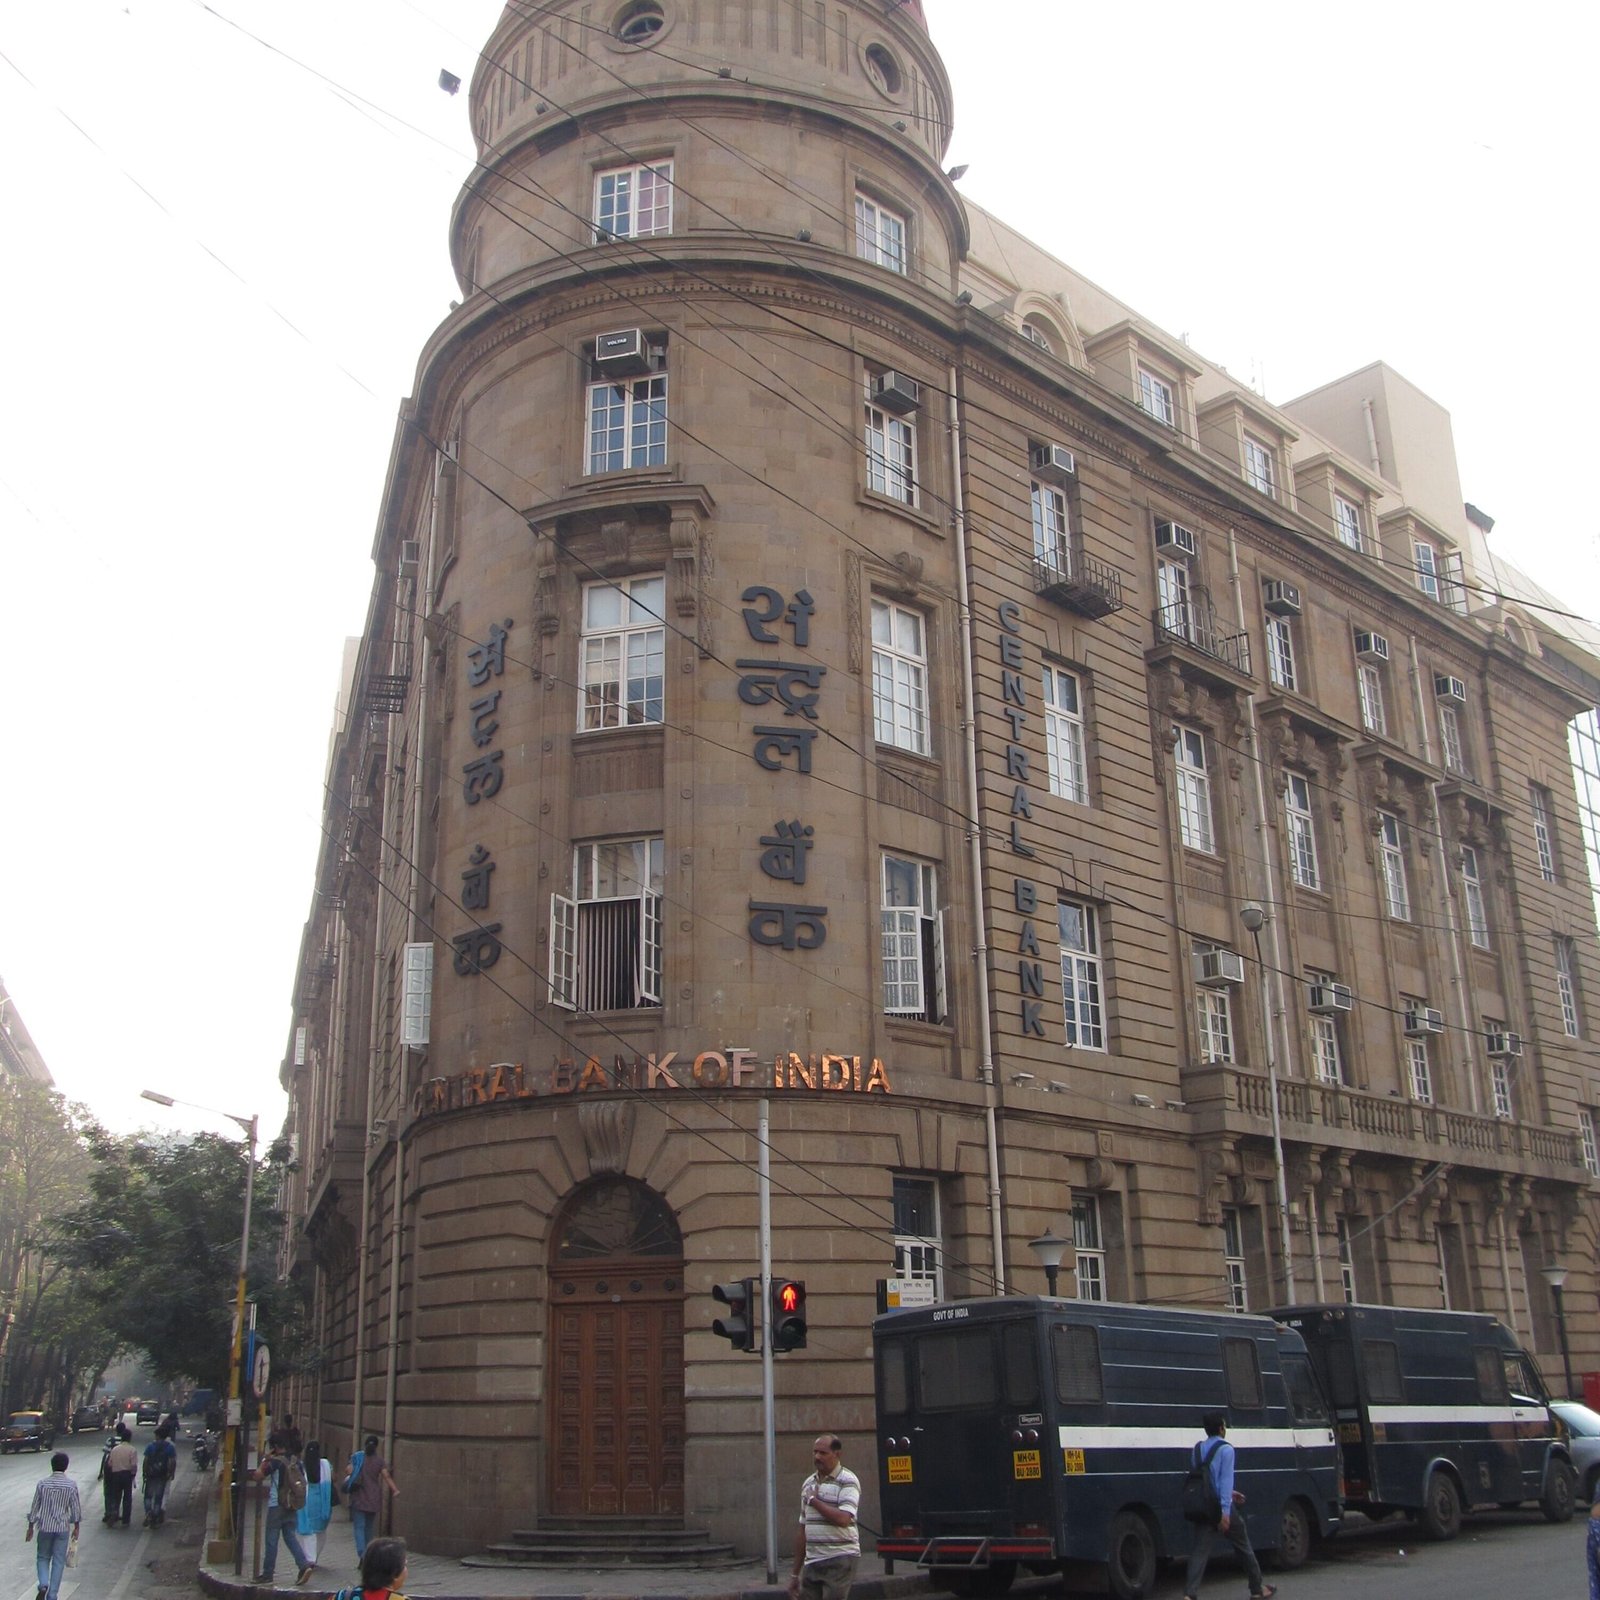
827	1543
54	1517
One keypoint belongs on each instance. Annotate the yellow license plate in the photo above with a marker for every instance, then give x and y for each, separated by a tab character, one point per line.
1072	1461
899	1469
1026	1464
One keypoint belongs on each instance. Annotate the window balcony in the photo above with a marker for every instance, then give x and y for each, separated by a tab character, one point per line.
1079	582
1186	632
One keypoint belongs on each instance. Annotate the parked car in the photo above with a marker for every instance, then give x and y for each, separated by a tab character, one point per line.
27	1430
148	1411
1584	1426
86	1419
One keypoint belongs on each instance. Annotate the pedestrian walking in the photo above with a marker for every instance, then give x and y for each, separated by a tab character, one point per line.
122	1467
286	1494
314	1514
1593	1554
827	1542
54	1519
365	1481
160	1468
1215	1456
383	1570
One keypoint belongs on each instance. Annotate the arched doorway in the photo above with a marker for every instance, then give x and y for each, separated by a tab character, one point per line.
616	1354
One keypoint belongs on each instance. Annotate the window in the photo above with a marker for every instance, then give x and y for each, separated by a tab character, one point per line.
1280	652
1035	334
1347	1266
891	453
913	942
1063	733
1425	559
916	1232
416	1010
633	202
1450	747
1472	892
624	653
1194	791
1452	588
1241	1371
880	234
640	22
1347	523
1302	836
605	941
1369	682
1155	396
1172	596
1079	927
1214	1018
1326	1059
1233	1259
899	677
1566	986
1089	1248
1543	835
628	423
1421	1076
1500	1087
1586	1137
1075	1354
1392	859
1050	548
1259	471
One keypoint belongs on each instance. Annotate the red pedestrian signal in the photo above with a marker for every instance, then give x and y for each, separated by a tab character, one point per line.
787	1318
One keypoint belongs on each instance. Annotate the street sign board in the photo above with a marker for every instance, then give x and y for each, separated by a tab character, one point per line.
901	1292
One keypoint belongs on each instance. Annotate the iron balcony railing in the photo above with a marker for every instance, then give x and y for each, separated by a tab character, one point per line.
1079	581
1193	622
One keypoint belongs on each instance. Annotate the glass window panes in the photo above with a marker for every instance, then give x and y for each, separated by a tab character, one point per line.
1392	859
1586	1137
1472	890
1325	1055
909	908
1370	683
1155	396
628	424
1259	471
1063	732
1280	652
1090	1248
1075	1353
1543	838
1194	791
916	1228
1301	832
899	677
633	202
1233	1259
1347	522
1080	975
1214	1014
891	455
1425	559
1450	747
1050	547
1566	986
623	653
880	234
1421	1076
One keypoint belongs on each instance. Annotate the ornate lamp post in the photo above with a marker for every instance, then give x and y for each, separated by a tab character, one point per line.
1556	1277
1048	1249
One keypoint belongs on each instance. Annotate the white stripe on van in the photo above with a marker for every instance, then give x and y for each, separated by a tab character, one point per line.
1459	1414
1141	1437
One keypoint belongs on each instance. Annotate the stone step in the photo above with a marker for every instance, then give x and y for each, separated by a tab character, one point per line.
625	1536
607	1554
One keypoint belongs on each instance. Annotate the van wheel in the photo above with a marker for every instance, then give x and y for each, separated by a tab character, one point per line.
1294	1537
1560	1489
983	1583
1440	1514
1131	1564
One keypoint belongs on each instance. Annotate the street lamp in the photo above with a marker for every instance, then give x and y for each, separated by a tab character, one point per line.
1254	918
228	1520
1049	1248
1556	1277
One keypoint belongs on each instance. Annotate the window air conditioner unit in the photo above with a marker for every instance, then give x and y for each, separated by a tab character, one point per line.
1330	998
410	555
1447	688
1280	598
624	353
1423	1020
1173	539
1216	969
1504	1044
1053	462
894	391
1372	647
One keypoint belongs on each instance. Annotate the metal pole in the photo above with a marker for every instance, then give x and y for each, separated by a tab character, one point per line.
1285	1242
229	1519
768	1410
1566	1350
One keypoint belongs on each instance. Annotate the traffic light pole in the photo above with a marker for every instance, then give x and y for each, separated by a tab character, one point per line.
768	1416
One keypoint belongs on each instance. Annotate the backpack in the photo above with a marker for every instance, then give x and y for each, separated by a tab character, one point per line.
158	1460
1198	1499
292	1487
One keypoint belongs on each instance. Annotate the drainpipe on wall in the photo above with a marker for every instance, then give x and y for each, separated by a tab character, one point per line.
969	727
1373	459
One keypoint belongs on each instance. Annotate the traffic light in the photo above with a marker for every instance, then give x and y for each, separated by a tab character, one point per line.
788	1314
736	1327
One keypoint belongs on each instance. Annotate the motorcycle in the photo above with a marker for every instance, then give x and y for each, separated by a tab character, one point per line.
205	1452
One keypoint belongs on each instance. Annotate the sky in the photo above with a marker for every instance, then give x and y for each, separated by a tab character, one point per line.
224	245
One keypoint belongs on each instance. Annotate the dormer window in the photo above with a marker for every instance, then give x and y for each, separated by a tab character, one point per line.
1156	397
1348	523
1260	471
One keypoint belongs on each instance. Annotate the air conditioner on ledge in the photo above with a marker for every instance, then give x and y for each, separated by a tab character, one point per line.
1218	968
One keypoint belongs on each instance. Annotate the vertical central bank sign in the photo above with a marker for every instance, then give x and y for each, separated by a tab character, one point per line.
1014	707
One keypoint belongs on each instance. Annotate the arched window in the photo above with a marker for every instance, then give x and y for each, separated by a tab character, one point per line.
615	1217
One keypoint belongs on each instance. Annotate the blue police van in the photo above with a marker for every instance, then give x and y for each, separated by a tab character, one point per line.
1436	1411
1041	1434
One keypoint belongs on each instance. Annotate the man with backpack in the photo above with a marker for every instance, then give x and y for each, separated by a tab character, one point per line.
1210	1503
160	1467
286	1494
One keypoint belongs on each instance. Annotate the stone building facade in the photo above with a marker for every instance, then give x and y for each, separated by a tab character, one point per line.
826	652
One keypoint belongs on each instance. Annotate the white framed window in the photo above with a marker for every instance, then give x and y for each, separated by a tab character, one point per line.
1421	1073
1260	471
1392	860
1233	1259
891	453
633	202
1326	1058
1081	991
1088	1244
1347	523
1156	398
1063	733
917	1232
1194	791
1280	652
1035	334
1369	683
1425	560
1450	747
913	941
1472	893
1567	986
1543	833
1347	1266
1172	596
1301	832
623	651
1452	584
416	1009
1500	1087
627	423
605	939
1214	1019
1586	1137
899	677
1051	548
880	234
